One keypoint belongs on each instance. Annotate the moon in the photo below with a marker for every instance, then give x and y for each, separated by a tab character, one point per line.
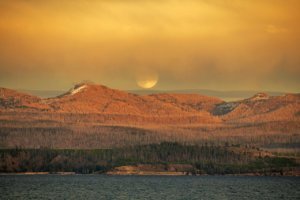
147	81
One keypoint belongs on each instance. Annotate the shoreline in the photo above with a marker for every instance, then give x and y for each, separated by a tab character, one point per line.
147	174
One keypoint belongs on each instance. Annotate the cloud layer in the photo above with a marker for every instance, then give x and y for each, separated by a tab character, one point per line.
224	45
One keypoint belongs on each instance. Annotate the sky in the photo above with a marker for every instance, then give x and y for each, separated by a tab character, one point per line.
190	44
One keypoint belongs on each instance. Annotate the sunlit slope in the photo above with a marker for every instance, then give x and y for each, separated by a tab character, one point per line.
88	99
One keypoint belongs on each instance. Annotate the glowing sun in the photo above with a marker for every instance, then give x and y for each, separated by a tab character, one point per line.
147	81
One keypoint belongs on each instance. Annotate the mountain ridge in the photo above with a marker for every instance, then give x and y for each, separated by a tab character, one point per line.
228	95
88	98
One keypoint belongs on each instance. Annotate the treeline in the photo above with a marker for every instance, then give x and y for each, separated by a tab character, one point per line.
208	159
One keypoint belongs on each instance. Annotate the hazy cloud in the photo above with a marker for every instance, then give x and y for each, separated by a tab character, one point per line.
253	45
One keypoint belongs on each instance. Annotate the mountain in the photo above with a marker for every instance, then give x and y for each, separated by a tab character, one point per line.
95	116
11	99
88	98
261	107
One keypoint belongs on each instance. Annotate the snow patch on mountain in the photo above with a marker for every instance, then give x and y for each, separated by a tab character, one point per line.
78	89
260	96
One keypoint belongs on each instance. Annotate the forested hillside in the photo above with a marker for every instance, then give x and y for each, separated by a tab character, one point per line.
204	159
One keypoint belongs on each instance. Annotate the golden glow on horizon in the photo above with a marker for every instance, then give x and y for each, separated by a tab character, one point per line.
147	84
146	78
212	44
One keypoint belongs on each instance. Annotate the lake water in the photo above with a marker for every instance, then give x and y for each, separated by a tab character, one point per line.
147	187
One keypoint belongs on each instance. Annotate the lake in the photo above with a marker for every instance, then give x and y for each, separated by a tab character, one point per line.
147	187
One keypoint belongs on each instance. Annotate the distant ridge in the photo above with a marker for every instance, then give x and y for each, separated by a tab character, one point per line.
230	95
118	105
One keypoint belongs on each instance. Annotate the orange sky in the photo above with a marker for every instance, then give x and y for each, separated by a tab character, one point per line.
220	45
